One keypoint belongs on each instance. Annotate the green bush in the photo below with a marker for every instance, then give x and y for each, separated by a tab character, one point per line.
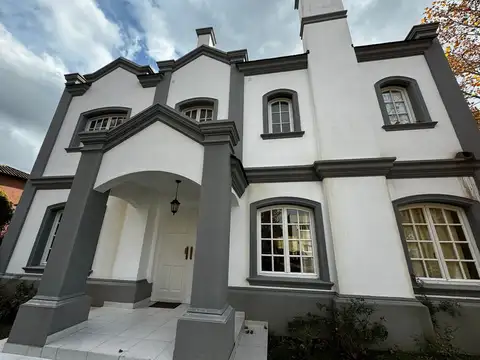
11	297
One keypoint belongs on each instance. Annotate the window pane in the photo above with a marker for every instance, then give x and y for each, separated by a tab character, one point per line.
307	248
418	269
279	263
286	128
433	269
457	233
295	266
266	263
308	265
305	234
294	247
293	232
390	109
418	216
277	231
437	216
448	251
393	119
409	233
454	270
442	233
303	217
209	114
404	119
397	96
277	216
276	128
414	250
266	247
422	231
470	270
266	217
428	251
275	107
292	216
266	232
464	251
387	97
276	118
452	217
405	215
203	113
278	247
284	106
401	108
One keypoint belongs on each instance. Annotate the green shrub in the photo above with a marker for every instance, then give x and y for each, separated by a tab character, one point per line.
12	297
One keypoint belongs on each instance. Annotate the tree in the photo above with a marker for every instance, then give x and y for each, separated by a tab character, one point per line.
459	33
6	213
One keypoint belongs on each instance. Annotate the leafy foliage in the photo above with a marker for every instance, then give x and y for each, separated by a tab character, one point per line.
11	297
343	332
459	33
6	213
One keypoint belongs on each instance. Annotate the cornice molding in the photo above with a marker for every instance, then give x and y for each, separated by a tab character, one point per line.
433	168
120	62
150	80
342	14
281	174
52	182
274	65
239	177
353	167
392	50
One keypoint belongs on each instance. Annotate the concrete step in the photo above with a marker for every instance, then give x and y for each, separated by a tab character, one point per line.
252	343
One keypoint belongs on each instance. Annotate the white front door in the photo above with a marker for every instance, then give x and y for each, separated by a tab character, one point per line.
175	256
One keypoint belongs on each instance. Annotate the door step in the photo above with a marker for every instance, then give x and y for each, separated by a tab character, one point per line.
251	342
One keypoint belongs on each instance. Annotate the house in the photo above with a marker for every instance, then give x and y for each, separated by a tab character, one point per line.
12	182
342	172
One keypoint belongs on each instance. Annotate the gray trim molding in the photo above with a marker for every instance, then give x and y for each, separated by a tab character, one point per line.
41	239
52	182
353	167
74	145
411	126
472	210
323	280
433	168
274	65
415	96
292	95
199	101
281	174
342	14
150	80
239	177
121	291
236	105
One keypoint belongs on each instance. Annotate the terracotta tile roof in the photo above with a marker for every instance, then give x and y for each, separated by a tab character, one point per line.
8	170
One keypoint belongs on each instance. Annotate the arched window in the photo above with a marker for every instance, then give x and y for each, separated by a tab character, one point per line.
398	105
402	104
199	113
105	122
199	109
440	242
280	116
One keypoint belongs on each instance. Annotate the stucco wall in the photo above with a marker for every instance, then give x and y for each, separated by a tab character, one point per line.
277	152
203	77
118	88
42	199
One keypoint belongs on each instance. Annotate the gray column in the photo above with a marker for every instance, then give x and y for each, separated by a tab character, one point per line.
206	331
163	87
61	301
236	104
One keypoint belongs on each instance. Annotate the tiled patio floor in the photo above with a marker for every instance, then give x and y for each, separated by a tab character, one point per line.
131	334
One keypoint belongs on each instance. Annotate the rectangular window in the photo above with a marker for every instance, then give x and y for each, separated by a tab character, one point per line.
286	241
51	237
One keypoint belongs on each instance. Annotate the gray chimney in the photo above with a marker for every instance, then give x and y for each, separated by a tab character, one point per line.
206	36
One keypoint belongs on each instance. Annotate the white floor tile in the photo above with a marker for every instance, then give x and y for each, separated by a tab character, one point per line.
165	333
69	354
93	356
116	346
250	353
145	349
138	331
49	352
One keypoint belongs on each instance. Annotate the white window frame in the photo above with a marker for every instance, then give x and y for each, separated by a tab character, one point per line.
286	252
406	100
110	121
199	111
270	118
436	242
51	237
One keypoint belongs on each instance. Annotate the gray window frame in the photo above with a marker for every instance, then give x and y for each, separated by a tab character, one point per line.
472	210
323	279
33	263
419	107
292	95
75	145
199	101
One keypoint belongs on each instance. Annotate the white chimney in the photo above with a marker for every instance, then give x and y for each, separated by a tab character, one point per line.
309	8
206	36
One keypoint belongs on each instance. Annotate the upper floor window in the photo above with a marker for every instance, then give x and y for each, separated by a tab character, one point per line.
398	105
286	241
440	243
105	122
199	109
281	115
402	104
200	114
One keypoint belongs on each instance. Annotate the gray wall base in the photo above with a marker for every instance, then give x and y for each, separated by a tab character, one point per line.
41	317
205	337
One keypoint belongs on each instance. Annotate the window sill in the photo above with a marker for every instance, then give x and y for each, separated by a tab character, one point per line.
38	269
73	149
290	282
292	134
413	126
449	289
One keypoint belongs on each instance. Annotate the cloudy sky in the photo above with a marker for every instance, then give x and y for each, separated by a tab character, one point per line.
40	40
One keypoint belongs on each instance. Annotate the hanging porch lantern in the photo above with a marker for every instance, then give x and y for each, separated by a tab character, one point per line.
175	204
